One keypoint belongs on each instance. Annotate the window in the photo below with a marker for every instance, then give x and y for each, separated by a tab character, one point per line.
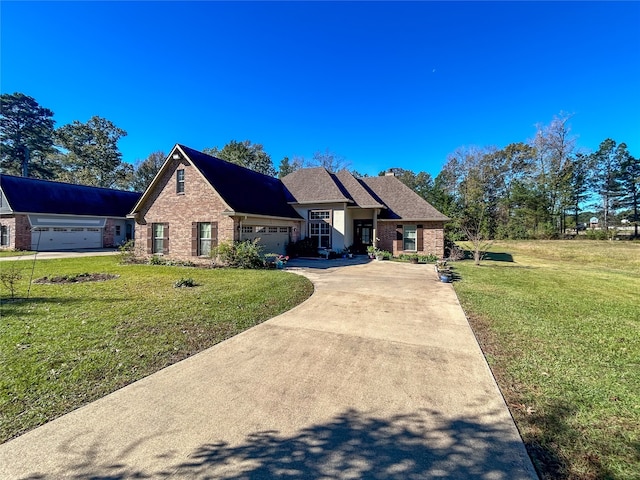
320	215
158	237
284	229
118	231
247	229
59	229
273	229
410	237
180	181
4	235
261	229
77	229
204	239
320	227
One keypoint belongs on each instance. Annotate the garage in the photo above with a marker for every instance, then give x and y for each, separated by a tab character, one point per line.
274	239
65	238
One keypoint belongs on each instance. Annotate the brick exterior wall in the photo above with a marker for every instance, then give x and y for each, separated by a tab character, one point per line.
198	203
108	234
19	232
432	238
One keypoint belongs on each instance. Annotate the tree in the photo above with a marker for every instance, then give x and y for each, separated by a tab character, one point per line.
91	154
146	170
554	145
26	135
421	182
289	166
630	187
329	160
579	191
607	166
246	154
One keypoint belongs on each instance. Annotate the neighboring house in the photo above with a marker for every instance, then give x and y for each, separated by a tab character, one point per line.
197	201
42	215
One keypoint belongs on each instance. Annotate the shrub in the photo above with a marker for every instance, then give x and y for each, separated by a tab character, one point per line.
127	253
430	258
596	234
157	260
247	254
384	254
305	247
185	282
10	276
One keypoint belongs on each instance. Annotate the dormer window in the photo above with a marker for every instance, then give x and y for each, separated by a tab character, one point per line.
180	181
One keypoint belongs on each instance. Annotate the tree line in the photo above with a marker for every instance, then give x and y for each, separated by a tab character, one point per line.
88	154
533	189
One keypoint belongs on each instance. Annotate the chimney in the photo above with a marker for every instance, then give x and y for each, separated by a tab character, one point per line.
390	173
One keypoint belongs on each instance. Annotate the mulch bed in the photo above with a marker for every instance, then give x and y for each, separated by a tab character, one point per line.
83	277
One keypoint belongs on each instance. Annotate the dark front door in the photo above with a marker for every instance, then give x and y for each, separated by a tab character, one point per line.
363	235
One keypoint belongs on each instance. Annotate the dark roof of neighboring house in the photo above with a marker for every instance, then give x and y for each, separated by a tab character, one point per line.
401	202
244	190
32	195
314	185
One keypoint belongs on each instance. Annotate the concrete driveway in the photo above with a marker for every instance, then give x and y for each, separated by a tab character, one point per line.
377	375
89	252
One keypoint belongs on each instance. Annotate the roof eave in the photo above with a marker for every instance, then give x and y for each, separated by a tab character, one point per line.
232	213
312	202
446	219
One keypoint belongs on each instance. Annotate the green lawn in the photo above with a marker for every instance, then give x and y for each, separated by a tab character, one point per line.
559	322
14	253
69	344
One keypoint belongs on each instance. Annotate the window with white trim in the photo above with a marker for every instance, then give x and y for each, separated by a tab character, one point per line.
204	238
180	181
410	238
158	238
320	215
320	227
273	229
247	229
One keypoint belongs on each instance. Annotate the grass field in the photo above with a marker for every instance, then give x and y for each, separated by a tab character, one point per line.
71	343
559	322
15	253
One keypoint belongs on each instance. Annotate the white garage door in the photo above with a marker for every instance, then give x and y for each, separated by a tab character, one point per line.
273	239
69	238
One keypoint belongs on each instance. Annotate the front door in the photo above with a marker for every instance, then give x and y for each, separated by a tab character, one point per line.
363	235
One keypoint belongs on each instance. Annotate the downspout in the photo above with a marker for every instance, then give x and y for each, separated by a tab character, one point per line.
375	228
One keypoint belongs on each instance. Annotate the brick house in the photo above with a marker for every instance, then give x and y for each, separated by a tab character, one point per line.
42	215
196	201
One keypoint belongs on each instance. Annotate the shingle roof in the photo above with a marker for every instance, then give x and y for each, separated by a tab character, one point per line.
401	202
356	191
314	185
31	195
244	190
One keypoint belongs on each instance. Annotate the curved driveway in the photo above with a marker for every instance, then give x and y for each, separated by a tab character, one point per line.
377	375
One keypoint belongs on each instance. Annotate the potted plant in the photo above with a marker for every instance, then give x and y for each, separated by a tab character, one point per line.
371	251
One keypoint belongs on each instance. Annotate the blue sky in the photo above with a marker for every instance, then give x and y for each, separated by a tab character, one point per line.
383	84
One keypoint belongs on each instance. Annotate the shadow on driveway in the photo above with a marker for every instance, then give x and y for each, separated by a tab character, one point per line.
351	445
